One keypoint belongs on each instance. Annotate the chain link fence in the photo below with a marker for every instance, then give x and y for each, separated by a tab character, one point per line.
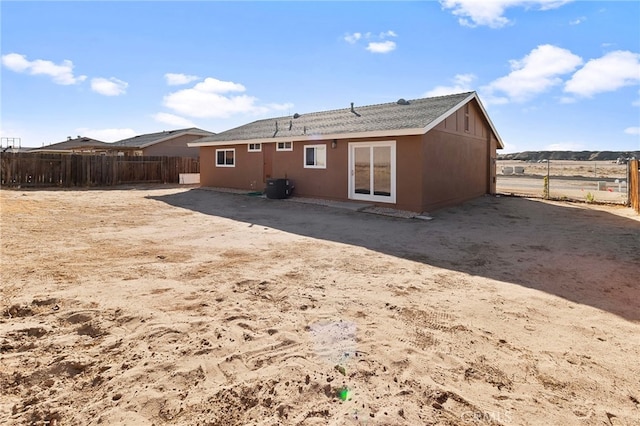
587	181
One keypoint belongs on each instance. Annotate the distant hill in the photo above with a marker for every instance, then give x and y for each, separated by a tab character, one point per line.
569	155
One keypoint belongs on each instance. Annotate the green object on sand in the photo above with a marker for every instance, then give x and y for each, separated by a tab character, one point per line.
344	393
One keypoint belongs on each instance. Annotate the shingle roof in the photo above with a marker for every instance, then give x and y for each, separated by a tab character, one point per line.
79	142
404	117
142	141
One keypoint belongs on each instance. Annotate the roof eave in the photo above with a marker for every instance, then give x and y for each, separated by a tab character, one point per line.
52	151
472	95
311	138
493	128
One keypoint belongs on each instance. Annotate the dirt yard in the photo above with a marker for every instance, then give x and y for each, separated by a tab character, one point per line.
165	305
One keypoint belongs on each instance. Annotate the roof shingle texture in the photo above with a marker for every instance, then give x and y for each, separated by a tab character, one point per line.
150	138
81	142
419	113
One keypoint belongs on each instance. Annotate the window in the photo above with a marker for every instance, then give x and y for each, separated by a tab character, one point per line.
225	157
255	147
315	156
284	146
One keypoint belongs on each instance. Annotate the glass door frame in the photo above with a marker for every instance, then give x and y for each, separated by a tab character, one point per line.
351	172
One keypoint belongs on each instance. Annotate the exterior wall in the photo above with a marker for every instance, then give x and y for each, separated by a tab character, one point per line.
247	173
251	171
316	183
333	182
452	163
330	183
176	147
458	163
409	174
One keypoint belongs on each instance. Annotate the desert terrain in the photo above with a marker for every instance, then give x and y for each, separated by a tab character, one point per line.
166	305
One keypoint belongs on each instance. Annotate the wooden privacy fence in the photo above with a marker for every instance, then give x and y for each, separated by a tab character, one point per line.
39	170
634	184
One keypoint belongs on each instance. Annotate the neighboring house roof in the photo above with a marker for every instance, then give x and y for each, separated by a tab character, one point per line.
77	143
143	141
15	150
400	118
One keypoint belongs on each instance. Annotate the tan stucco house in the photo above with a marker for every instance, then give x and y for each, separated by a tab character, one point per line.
416	155
168	143
79	145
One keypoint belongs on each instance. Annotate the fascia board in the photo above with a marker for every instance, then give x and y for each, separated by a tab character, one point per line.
312	138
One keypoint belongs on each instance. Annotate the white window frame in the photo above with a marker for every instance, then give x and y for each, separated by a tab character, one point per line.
225	150
284	146
257	147
322	147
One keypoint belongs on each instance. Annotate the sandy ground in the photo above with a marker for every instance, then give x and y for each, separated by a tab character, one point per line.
564	189
184	306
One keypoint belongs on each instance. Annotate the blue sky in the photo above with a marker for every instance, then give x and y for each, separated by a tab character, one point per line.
553	74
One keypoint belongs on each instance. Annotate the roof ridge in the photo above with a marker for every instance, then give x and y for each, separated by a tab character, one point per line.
165	132
360	106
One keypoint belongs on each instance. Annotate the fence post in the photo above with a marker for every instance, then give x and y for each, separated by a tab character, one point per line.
633	184
628	183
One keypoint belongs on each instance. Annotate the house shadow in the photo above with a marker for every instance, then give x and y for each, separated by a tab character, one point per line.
587	256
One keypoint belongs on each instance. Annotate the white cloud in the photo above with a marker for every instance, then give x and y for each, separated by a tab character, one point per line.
61	74
199	104
473	13
16	62
535	73
209	99
172	119
632	131
214	85
376	43
381	47
565	146
489	99
106	135
461	83
280	107
578	21
606	74
567	100
109	87
179	79
352	38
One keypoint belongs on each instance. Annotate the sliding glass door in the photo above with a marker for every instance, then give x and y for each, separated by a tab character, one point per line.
372	171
